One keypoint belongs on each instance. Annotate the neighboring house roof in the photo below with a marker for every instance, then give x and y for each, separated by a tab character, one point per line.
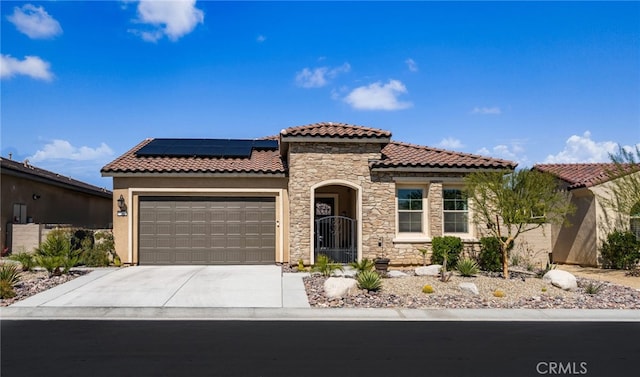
260	161
28	171
336	130
397	155
582	175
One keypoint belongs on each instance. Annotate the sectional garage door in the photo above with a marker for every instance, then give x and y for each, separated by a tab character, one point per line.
190	230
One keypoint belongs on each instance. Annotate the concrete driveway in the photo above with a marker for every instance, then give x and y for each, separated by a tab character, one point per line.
177	286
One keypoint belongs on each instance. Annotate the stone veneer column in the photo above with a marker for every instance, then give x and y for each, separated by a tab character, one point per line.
435	209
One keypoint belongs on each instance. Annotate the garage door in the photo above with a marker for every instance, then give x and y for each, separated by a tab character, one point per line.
207	231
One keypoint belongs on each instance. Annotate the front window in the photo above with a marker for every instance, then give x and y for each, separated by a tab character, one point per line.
456	211
410	210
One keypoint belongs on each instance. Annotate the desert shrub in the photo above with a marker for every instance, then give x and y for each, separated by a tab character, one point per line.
621	250
25	259
92	254
593	288
427	289
9	276
369	280
490	257
467	267
56	253
365	264
449	246
325	265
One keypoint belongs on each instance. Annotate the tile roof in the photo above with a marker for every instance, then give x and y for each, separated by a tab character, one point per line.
581	175
396	154
26	169
336	130
261	161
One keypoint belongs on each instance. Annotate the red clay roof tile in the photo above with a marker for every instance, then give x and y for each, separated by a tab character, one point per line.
397	154
581	175
336	130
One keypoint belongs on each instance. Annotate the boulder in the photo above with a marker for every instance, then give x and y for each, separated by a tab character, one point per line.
340	287
469	288
432	270
561	279
396	274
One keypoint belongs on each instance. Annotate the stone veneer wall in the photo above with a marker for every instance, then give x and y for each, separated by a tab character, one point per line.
313	163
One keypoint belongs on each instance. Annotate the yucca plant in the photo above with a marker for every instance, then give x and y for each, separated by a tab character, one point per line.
325	265
467	267
364	265
593	288
9	276
369	280
25	259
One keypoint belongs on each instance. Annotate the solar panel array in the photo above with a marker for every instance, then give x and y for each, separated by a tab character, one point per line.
238	148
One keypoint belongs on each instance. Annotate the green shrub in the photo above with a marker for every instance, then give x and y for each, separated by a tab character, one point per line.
55	252
621	250
369	280
92	254
593	288
448	245
6	290
490	257
51	263
467	267
325	266
364	265
9	276
25	259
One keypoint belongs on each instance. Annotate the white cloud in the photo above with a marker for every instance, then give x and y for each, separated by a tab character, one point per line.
450	143
486	110
31	66
62	149
583	149
171	18
377	96
319	77
514	151
35	22
412	65
261	38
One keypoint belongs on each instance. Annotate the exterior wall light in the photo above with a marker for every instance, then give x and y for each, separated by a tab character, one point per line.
122	207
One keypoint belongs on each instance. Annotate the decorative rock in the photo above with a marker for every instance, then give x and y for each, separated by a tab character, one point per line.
469	287
396	274
432	270
339	287
561	279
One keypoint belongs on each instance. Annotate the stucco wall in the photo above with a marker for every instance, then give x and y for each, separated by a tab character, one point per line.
55	205
577	243
132	188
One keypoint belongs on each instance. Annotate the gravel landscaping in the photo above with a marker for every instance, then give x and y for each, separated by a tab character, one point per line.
34	282
521	291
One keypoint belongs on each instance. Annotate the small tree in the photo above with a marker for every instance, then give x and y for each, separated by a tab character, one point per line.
510	203
622	192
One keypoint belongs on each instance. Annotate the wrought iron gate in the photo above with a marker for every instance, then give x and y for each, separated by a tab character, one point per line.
335	237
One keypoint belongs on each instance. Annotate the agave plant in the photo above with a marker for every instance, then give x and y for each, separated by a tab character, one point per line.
9	276
467	267
364	265
369	280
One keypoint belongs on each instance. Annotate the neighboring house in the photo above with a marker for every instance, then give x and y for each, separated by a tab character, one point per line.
345	191
31	195
587	184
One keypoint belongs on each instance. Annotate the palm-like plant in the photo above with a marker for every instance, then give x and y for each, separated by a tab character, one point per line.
325	265
365	264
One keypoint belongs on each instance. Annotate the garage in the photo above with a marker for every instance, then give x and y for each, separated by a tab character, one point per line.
206	230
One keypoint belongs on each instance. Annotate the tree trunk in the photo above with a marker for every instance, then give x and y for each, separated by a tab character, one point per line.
505	261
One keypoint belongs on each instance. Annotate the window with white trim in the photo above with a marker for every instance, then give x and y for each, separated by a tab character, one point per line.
410	210
455	211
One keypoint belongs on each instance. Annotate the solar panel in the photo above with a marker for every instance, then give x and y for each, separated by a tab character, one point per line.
237	148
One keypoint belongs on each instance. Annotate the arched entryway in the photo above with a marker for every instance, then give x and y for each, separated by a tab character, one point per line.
335	221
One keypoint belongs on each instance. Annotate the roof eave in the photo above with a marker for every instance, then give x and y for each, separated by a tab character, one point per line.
119	174
434	169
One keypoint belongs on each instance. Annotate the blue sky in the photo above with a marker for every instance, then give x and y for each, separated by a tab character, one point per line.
83	82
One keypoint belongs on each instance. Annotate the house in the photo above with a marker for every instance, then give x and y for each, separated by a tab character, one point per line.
345	191
587	185
33	197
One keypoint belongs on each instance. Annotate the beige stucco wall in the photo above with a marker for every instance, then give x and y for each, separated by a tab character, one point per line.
55	205
125	228
577	242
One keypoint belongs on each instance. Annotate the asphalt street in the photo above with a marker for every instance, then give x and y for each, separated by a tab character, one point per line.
317	348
